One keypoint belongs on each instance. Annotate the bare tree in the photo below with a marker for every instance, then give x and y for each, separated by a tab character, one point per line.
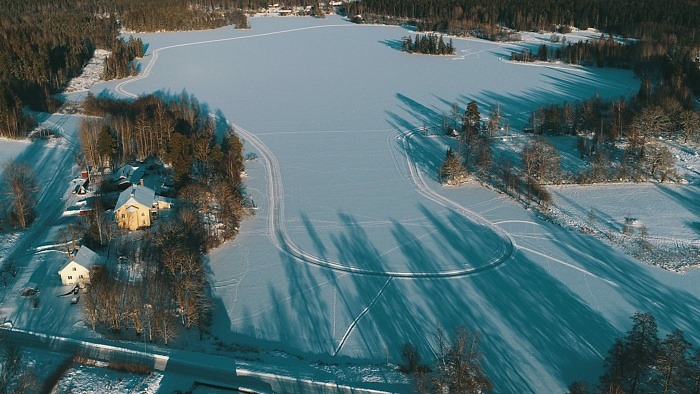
659	162
652	121
458	366
15	377
540	161
21	189
689	122
495	118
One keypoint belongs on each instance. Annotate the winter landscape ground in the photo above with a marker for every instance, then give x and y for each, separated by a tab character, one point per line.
356	248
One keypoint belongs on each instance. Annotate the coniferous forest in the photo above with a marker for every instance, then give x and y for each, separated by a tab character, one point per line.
45	43
428	44
666	35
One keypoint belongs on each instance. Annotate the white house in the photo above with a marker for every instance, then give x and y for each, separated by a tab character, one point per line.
77	270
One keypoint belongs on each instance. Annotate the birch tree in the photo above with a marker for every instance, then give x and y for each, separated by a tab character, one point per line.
21	189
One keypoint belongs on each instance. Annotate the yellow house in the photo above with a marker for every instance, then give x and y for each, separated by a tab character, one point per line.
77	270
134	207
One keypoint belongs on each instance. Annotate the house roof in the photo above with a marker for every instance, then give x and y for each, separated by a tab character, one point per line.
84	257
136	194
129	173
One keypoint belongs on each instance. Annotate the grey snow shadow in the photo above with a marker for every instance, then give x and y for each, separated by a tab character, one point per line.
393	44
520	310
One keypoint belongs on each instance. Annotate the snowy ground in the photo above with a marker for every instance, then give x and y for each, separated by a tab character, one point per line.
666	216
99	379
34	250
92	73
355	248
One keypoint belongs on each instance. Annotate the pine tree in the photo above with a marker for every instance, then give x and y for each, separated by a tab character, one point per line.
452	171
672	363
641	350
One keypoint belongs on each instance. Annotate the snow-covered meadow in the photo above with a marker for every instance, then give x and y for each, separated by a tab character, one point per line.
355	248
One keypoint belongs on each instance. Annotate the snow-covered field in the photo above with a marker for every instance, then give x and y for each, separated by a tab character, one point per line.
356	248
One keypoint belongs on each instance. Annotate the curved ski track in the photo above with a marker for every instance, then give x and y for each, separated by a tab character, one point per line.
276	229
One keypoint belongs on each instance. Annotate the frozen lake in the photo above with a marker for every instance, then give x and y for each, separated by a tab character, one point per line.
356	248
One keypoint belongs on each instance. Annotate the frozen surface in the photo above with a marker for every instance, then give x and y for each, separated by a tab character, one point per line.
10	149
350	208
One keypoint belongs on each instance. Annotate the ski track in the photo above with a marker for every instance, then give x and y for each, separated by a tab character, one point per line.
276	227
357	319
564	263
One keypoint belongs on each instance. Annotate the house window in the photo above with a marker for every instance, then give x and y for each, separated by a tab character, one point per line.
123	215
75	269
81	277
70	278
143	214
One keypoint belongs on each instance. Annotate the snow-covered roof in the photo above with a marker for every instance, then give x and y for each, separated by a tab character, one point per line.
85	257
136	194
129	173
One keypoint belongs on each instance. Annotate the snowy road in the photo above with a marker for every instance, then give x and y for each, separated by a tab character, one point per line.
202	368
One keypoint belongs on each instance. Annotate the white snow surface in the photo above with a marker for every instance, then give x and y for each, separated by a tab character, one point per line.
99	379
91	74
347	194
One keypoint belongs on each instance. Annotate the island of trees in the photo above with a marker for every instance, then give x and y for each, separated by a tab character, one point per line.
427	44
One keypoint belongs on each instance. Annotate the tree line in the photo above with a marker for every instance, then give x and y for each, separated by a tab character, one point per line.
179	132
638	122
641	362
45	44
119	64
667	62
618	138
641	19
427	44
667	34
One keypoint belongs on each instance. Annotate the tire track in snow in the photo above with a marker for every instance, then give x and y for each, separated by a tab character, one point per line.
564	263
357	319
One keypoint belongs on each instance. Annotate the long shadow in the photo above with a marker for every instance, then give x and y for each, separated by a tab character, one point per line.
672	307
520	309
688	196
393	44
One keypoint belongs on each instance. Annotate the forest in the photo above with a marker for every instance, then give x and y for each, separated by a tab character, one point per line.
46	43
